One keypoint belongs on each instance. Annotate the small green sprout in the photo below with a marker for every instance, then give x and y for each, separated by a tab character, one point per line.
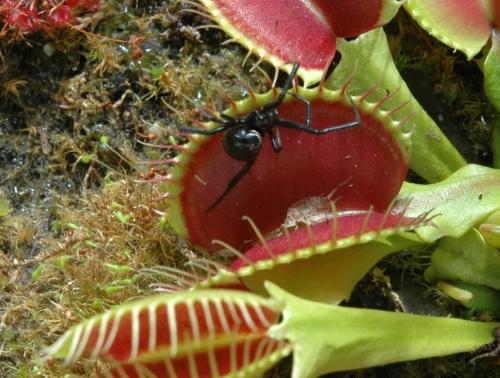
37	273
4	207
121	269
123	218
61	261
90	244
86	158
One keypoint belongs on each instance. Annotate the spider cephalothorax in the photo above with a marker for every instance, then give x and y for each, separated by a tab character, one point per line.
243	136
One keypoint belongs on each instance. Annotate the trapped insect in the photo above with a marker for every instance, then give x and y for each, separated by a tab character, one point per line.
243	136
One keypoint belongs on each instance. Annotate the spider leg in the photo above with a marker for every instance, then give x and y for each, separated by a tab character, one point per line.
236	178
275	140
189	130
284	89
209	115
225	120
308	129
297	126
308	109
288	84
347	125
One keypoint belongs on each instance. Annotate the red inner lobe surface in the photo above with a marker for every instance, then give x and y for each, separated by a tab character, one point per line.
121	347
346	225
290	30
463	16
245	353
363	166
496	13
349	18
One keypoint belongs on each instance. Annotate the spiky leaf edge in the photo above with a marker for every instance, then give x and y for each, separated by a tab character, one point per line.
401	129
349	258
467	32
388	10
73	344
368	63
458	203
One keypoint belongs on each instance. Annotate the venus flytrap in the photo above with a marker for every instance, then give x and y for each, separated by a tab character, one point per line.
464	25
368	64
467	25
322	262
208	333
460	202
468	270
466	263
220	333
330	338
478	298
344	166
338	164
279	31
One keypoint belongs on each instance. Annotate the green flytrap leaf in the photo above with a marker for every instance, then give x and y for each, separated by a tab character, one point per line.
468	270
475	297
332	276
229	333
468	259
329	338
458	203
492	89
492	71
322	262
460	24
490	229
368	60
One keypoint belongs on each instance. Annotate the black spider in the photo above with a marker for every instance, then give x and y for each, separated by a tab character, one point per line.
243	136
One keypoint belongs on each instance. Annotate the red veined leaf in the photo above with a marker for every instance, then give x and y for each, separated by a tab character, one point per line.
246	358
199	331
349	18
460	24
363	225
296	31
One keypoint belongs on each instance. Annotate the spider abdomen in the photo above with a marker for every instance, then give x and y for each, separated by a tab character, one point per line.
242	143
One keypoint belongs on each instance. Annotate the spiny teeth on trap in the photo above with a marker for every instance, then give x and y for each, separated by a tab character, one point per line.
372	157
